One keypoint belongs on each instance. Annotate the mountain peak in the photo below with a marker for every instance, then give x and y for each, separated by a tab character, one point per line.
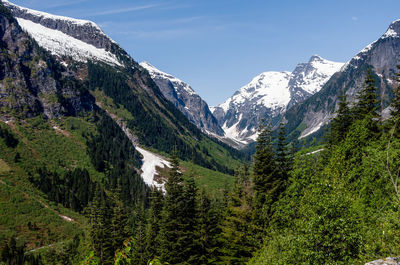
65	37
185	99
44	15
393	30
315	57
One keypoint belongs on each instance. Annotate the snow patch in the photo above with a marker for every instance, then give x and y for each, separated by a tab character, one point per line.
44	15
61	44
270	88
150	162
66	218
156	73
321	71
390	33
312	130
316	151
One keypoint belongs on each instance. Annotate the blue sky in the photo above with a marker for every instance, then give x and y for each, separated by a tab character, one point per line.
217	46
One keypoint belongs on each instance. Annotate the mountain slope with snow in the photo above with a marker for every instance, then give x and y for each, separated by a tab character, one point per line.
381	56
269	95
185	99
68	38
95	72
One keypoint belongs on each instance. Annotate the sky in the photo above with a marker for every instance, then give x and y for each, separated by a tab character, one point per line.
218	46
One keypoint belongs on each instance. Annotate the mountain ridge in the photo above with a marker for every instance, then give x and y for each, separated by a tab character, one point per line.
381	56
269	95
185	99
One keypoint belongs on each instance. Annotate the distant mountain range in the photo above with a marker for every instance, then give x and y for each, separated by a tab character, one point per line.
381	57
305	99
269	95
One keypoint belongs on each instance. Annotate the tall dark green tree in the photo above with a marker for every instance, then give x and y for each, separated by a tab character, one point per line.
283	156
190	237
395	106
119	221
100	227
237	239
266	181
139	255
341	123
153	223
172	220
368	102
208	229
12	254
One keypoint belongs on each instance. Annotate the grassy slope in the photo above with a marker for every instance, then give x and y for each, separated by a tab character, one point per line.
214	151
40	143
213	182
60	146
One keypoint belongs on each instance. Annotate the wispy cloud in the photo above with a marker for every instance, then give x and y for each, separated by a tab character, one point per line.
354	18
65	3
159	34
122	10
152	23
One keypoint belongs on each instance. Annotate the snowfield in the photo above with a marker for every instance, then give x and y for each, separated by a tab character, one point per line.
150	162
61	44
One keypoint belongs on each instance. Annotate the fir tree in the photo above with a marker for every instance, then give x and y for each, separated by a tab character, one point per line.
119	221
266	182
153	224
171	228
139	256
341	123
395	106
368	103
237	232
190	240
11	253
100	232
282	154
208	229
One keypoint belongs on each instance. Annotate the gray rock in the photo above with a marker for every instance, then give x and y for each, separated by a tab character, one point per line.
386	261
381	56
185	99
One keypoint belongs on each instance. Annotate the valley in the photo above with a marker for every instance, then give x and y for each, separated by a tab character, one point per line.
105	160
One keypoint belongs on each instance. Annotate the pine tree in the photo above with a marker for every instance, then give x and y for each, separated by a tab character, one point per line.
266	181
153	224
11	253
100	232
139	256
237	238
190	240
368	103
341	123
282	154
395	106
171	228
208	230
119	221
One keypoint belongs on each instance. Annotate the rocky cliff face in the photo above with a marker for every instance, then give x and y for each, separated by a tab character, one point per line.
185	99
69	38
381	56
32	83
269	95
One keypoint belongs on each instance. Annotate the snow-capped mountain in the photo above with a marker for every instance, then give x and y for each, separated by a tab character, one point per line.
64	66
381	56
269	95
68	38
185	99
